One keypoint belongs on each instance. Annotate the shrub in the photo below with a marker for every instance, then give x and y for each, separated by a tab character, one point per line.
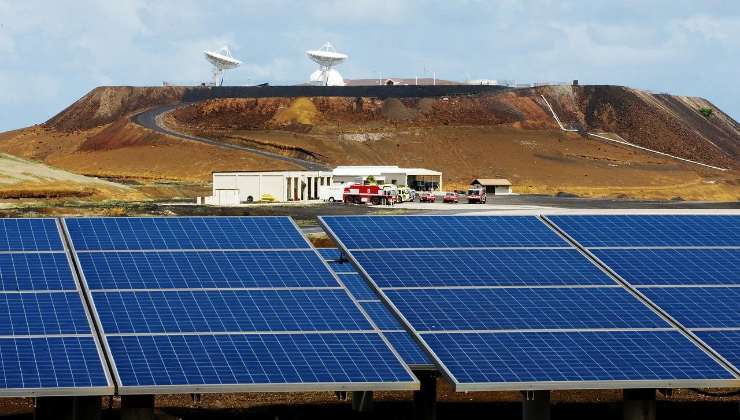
706	112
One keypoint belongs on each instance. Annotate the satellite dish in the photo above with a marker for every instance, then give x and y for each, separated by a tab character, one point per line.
327	57
221	60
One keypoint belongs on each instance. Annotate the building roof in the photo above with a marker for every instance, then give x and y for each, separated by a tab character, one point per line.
379	170
492	182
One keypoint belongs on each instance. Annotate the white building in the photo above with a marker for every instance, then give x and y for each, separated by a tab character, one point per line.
495	186
232	188
416	178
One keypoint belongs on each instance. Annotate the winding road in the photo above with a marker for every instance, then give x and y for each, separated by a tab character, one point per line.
153	119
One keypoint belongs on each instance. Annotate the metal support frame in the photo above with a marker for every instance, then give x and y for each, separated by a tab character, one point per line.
536	405
362	401
639	404
425	399
137	407
67	408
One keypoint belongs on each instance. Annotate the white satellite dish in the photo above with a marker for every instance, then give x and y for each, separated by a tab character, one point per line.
221	60
327	57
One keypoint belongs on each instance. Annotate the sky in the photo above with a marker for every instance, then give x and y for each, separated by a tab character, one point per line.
53	52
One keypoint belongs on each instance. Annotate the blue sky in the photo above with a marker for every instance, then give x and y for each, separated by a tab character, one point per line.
53	52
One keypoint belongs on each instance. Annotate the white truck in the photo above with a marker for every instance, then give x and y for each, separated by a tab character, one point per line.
333	193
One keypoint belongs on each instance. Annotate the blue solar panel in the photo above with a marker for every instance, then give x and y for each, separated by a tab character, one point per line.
409	350
135	233
212	269
382	316
653	230
32	271
441	231
674	266
42	314
358	287
225	311
52	362
727	343
29	235
485	267
255	359
330	253
521	308
516	357
342	267
699	307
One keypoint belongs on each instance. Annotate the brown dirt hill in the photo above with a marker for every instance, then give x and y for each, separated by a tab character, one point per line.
106	104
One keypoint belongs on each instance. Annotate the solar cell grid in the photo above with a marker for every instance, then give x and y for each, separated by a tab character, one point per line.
162	233
50	363
379	232
485	267
34	271
727	343
358	287
409	350
29	235
255	359
674	266
228	311
342	267
382	316
42	314
523	309
699	307
651	230
212	269
514	357
330	253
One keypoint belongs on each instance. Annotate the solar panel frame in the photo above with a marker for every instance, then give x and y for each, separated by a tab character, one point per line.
734	382
412	384
73	390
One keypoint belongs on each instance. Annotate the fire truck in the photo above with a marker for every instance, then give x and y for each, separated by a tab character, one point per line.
369	194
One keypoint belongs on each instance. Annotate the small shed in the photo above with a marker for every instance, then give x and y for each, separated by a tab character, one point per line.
495	186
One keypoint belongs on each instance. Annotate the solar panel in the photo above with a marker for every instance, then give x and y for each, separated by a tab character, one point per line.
342	267
358	287
382	232
674	266
47	346
382	316
651	230
689	266
224	311
523	308
207	269
330	254
699	307
727	343
226	304
29	235
261	362
519	308
149	233
572	359
410	351
480	267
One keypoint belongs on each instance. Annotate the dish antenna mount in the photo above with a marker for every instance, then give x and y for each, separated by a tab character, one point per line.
327	57
221	60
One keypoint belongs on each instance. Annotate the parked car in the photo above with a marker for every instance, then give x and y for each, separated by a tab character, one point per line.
450	197
427	197
477	195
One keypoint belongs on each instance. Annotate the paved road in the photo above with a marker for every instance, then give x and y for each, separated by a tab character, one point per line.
151	120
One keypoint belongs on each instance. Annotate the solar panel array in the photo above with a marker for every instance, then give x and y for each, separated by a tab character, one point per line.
225	304
407	347
47	345
504	302
687	265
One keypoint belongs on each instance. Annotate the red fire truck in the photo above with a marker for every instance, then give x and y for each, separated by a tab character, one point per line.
369	194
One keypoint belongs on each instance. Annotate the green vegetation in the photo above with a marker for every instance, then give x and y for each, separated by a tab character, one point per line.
706	112
370	180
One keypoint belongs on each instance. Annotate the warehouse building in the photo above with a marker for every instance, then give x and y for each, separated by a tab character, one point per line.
417	178
495	186
233	188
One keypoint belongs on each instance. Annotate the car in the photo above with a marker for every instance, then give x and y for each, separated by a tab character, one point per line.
477	195
450	197
427	197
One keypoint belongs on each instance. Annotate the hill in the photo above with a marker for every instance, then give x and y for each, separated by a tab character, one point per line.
504	132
